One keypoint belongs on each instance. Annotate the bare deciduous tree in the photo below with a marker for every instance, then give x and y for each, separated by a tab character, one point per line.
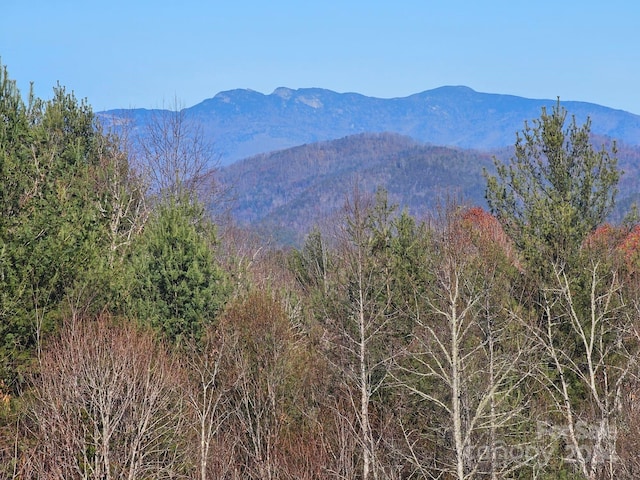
123	199
266	363
588	335
176	157
464	366
209	396
106	405
359	319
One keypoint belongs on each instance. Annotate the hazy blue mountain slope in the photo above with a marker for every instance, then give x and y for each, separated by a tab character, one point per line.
242	123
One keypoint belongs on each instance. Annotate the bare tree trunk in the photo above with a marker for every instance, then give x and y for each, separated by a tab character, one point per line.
456	391
594	349
366	437
452	365
493	435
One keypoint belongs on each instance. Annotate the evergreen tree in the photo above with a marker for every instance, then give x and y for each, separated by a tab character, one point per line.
53	232
178	287
310	265
555	190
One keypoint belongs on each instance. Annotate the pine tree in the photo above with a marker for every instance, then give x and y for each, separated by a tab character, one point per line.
178	287
53	231
555	190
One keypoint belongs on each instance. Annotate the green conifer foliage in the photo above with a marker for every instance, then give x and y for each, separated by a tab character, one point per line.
54	229
178	286
555	190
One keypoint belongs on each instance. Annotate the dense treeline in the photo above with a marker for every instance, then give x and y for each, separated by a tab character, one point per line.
141	340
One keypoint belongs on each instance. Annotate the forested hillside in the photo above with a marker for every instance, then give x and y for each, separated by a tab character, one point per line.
284	194
139	338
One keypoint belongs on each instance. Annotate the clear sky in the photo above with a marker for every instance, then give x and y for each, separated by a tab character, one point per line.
143	53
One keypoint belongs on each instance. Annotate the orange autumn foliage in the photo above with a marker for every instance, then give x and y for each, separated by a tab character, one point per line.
485	231
619	241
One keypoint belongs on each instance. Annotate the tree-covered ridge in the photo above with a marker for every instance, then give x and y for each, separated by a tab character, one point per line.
279	191
142	340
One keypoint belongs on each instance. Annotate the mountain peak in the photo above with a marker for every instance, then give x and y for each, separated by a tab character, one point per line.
238	94
454	89
308	96
283	92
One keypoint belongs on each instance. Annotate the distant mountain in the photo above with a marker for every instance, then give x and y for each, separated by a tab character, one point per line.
287	192
242	123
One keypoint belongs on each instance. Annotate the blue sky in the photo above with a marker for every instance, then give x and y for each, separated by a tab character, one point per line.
147	54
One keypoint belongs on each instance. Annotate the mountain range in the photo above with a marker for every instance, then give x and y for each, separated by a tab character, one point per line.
241	123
